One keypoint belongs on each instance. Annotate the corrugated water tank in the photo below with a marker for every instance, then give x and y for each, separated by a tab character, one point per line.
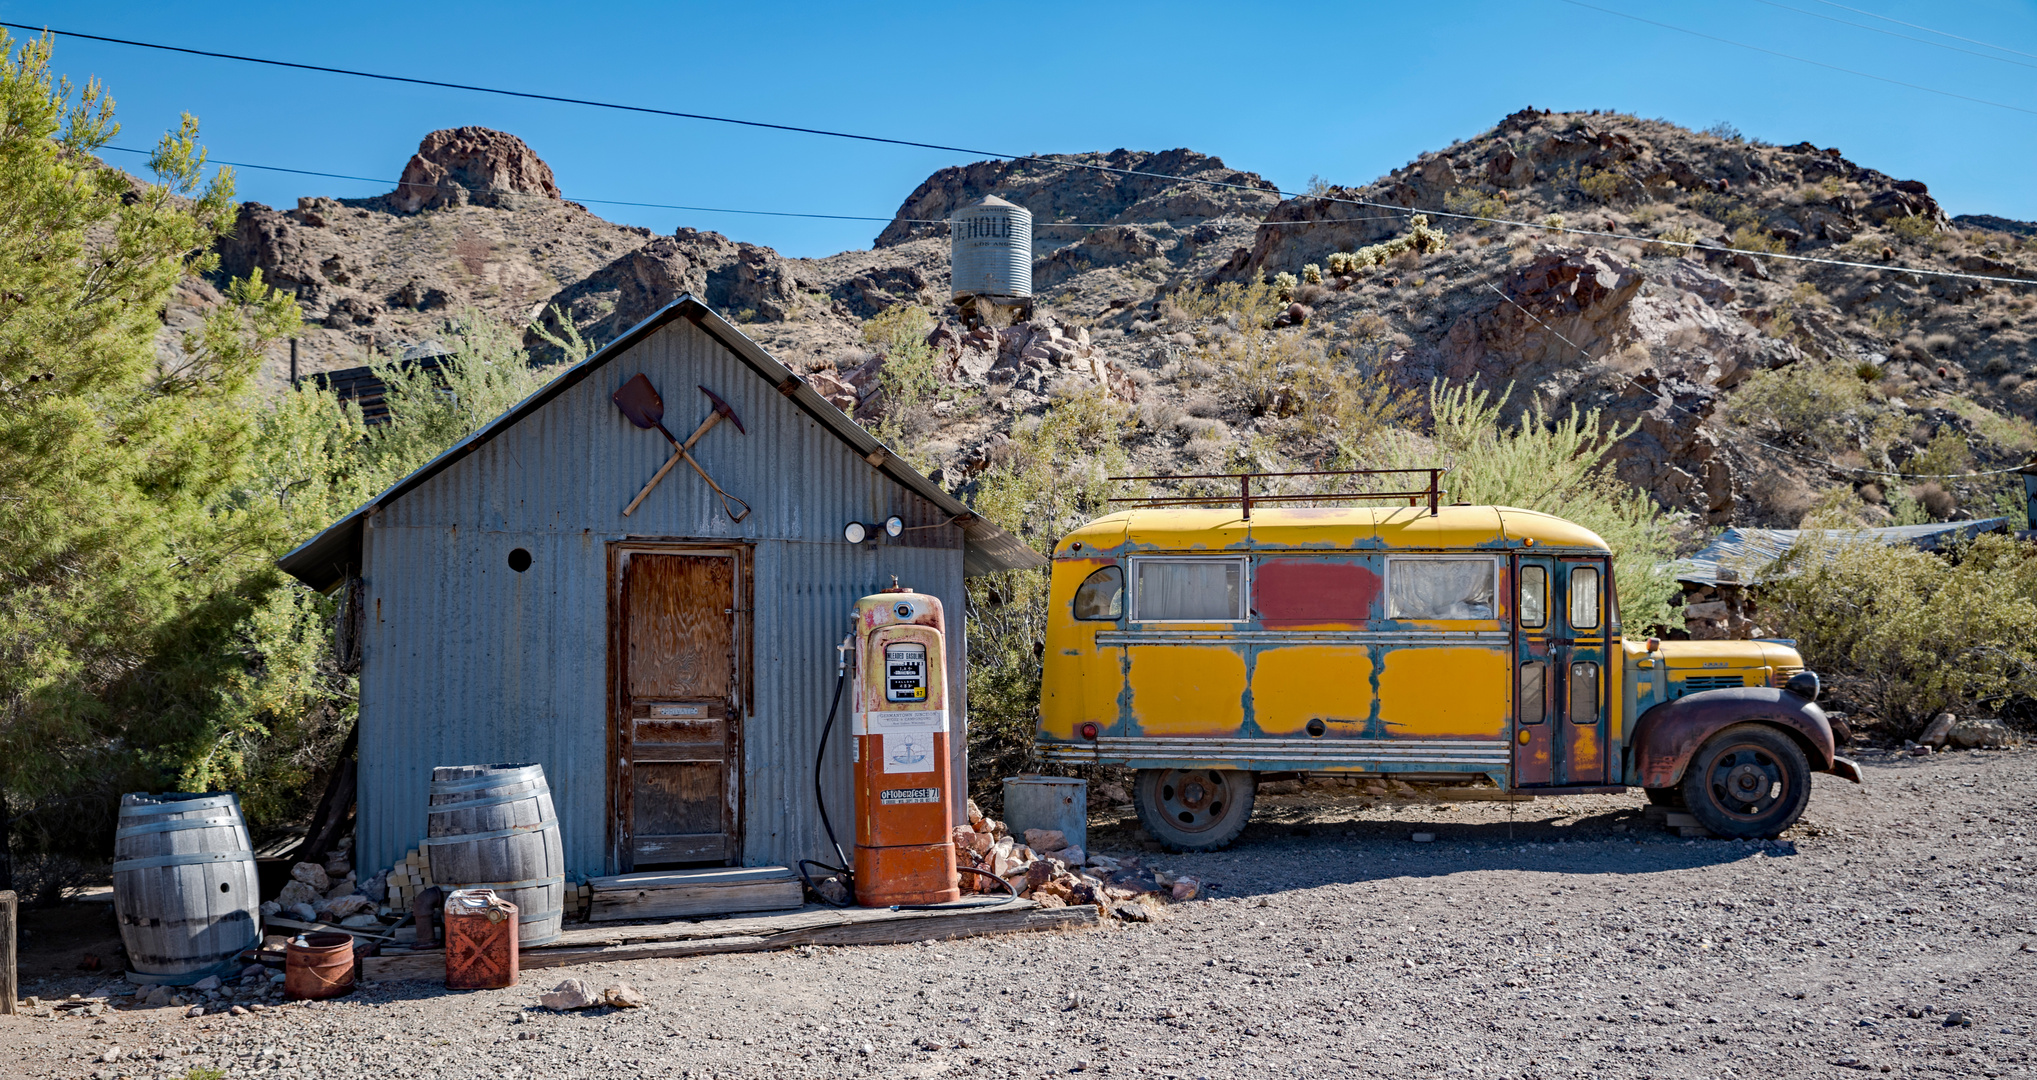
991	249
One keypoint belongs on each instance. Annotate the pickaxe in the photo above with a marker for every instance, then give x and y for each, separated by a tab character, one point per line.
639	401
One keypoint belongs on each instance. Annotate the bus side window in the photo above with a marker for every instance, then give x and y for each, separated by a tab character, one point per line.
1534	596
1101	596
1584	598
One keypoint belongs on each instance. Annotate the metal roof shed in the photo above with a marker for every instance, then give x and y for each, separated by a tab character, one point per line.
510	612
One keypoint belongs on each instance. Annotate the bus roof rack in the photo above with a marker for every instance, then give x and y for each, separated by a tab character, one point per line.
1432	493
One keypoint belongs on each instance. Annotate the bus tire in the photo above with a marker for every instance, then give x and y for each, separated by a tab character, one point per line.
1194	809
1748	781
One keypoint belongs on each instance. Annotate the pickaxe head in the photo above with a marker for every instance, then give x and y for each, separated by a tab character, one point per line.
726	410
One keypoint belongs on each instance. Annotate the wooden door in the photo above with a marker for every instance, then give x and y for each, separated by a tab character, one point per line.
679	722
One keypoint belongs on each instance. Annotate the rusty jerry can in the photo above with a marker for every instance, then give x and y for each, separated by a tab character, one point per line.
480	940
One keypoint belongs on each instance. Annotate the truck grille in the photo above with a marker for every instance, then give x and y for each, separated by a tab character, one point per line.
1781	675
1695	683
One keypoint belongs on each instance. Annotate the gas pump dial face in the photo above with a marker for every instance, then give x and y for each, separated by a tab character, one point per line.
905	672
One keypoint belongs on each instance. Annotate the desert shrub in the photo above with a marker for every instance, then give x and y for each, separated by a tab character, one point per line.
1886	324
1916	633
1674	240
1553	222
1820	402
1050	479
1419	240
1913	228
1476	203
1724	129
1755	238
1601	185
910	376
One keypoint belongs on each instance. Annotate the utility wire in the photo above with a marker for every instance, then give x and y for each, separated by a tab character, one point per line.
1019	158
1801	60
1670	399
1926	29
1893	34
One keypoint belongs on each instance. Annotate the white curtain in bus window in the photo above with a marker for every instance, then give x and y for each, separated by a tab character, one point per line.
1191	590
1534	596
1419	588
1583	597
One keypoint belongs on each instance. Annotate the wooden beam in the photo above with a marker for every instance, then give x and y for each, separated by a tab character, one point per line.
693	893
10	911
855	926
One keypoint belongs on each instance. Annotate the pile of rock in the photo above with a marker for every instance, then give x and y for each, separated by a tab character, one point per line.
1949	732
1046	868
325	892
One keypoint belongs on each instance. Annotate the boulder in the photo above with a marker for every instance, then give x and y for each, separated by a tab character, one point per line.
623	996
311	874
1977	731
297	892
1046	841
471	164
570	994
1939	731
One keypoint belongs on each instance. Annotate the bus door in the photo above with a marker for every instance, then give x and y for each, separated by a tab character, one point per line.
1560	660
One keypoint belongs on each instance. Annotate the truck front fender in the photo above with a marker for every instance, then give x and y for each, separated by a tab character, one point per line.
1667	735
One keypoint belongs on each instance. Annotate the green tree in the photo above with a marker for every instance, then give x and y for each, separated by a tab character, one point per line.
126	551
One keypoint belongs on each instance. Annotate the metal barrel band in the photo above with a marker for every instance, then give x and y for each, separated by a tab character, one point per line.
189	858
179	825
540	916
523	775
496	834
493	800
181	806
527	883
186	978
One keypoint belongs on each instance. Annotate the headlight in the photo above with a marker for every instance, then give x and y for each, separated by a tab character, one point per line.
1803	684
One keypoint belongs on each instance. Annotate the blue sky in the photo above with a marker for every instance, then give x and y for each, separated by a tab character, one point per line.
1345	91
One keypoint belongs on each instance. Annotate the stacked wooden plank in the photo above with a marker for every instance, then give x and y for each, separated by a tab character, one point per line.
811	925
688	894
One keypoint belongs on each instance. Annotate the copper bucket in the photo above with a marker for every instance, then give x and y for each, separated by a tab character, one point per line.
318	965
481	940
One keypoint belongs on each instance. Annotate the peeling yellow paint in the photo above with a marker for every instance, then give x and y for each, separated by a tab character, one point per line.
1445	692
1298	683
1188	689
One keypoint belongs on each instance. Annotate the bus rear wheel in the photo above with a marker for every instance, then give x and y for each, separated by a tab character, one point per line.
1747	781
1194	809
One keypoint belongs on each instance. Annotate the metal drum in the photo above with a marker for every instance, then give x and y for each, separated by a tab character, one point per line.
493	827
1048	802
990	250
184	887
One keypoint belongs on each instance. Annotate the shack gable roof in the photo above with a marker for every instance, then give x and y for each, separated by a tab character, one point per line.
1747	556
1329	528
322	561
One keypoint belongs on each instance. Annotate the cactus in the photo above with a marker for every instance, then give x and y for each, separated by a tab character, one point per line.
1283	285
1312	274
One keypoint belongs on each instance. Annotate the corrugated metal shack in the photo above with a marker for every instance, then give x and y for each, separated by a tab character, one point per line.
671	669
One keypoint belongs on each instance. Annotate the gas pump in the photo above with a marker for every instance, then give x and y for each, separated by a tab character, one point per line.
901	726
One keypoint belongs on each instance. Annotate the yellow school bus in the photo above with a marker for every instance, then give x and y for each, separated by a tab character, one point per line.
1207	647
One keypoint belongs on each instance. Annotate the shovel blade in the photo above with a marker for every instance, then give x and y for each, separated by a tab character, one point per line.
639	401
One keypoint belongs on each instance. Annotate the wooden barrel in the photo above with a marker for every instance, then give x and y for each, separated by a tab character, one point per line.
492	827
184	886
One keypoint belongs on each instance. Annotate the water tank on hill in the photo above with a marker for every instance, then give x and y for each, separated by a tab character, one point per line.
991	252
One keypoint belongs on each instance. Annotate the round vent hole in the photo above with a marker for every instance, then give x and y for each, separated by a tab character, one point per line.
519	560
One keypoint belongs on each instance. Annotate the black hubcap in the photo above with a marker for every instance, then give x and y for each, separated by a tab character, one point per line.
1193	800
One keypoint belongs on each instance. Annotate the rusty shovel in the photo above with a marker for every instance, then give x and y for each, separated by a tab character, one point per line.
639	401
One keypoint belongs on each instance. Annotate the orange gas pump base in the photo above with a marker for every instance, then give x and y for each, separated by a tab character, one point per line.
922	874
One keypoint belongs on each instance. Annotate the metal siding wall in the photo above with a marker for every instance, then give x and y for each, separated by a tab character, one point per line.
472	662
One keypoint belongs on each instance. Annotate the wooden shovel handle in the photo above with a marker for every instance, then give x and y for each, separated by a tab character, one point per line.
669	462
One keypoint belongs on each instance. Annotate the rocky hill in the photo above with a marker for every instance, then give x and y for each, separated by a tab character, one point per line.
1739	373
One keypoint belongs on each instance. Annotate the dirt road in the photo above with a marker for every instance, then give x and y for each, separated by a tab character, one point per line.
1892	932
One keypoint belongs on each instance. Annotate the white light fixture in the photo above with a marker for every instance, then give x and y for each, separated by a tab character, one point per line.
894	525
855	532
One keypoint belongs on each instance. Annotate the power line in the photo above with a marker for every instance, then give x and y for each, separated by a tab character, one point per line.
1110	169
1670	400
1801	60
1893	34
1926	29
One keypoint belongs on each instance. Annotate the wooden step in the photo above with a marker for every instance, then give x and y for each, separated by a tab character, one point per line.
685	894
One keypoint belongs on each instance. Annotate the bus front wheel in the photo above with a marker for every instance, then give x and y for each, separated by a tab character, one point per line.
1195	809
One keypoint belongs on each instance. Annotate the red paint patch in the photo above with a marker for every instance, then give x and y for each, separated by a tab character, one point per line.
1312	591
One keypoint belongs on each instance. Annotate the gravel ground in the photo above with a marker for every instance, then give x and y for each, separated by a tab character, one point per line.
1890	932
